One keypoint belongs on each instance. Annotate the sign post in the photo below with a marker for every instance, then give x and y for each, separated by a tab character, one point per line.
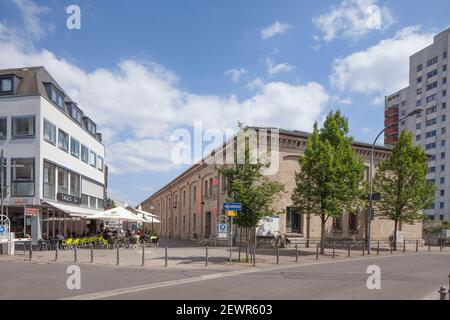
231	208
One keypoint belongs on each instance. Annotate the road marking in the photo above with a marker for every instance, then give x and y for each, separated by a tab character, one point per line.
150	286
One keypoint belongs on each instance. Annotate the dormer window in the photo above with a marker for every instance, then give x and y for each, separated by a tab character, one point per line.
55	96
76	113
90	126
6	85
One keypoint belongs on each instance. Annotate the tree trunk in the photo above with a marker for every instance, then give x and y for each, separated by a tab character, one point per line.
322	235
395	234
308	229
240	243
246	244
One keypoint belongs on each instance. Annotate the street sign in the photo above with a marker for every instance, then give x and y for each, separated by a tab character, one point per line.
232	213
375	196
2	229
223	231
232	206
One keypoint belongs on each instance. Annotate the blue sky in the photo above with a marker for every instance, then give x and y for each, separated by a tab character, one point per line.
143	69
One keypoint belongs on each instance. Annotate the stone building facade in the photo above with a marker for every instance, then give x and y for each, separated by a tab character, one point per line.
190	204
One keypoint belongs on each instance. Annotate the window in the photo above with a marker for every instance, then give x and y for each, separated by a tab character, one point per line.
100	163
49	180
444	93
74	185
444	67
432	86
4	182
184	223
443	143
419	68
23	127
431	74
194	221
74	147
84	153
90	126
441	205
195	193
85	200
6	85
432	61
441	217
418	137
205	192
442	167
444	105
430	146
432	98
442	180
3	128
442	155
49	132
444	55
100	203
92	202
403	113
22	177
210	186
431	122
76	113
444	80
63	181
403	123
431	110
63	140
419	91
430	134
337	223
442	193
444	117
443	130
55	96
432	157
432	170
93	159
352	222
418	126
419	103
419	79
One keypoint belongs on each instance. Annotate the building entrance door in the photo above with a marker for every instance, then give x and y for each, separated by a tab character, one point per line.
207	224
293	221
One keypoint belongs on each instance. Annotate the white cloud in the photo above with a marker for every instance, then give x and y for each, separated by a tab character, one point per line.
273	69
137	104
352	19
382	68
365	130
255	84
236	74
31	13
274	29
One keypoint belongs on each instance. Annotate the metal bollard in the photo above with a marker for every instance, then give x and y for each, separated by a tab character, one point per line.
165	257
417	245
443	293
143	255
349	248
206	256
392	247
378	248
75	254
334	249
278	254
56	252
404	246
92	253
317	251
31	251
296	253
363	249
117	255
429	244
440	245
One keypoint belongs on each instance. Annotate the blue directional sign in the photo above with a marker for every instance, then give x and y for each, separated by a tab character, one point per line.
232	206
2	229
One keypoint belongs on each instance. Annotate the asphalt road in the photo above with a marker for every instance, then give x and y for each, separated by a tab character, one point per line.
410	276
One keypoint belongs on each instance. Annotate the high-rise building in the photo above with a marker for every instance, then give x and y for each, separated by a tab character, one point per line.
427	89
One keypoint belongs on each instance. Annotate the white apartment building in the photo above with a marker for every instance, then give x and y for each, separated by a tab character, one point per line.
55	159
428	88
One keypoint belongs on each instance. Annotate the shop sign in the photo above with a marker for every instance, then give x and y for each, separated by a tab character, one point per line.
31	212
68	198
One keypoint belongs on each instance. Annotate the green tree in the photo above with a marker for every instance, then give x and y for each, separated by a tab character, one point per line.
247	184
401	180
330	176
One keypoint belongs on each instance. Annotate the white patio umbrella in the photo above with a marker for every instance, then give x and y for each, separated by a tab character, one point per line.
116	214
149	217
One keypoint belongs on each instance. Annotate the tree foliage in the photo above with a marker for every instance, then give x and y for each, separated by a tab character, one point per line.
329	180
401	180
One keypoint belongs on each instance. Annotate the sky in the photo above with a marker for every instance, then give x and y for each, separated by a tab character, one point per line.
145	69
